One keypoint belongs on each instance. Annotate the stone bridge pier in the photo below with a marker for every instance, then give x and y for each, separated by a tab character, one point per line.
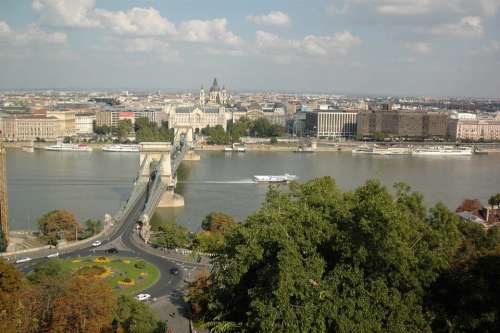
155	152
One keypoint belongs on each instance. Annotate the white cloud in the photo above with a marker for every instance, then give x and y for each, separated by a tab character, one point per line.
316	46
135	21
419	47
467	27
274	18
4	28
207	31
32	35
73	13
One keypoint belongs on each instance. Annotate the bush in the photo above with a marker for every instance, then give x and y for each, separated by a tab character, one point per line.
141	264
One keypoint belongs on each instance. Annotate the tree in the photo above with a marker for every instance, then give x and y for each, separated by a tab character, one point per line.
218	222
102	130
171	236
466	298
93	227
17	304
494	200
124	128
217	135
59	222
135	316
208	242
86	305
315	259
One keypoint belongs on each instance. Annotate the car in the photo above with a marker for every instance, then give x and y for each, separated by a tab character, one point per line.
20	261
112	250
143	297
174	271
96	243
53	255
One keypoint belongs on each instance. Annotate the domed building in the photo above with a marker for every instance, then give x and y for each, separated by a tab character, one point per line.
216	95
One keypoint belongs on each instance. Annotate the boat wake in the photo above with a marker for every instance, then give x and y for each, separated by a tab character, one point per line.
240	181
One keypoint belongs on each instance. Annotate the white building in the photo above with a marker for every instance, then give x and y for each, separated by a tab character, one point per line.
331	124
197	117
84	123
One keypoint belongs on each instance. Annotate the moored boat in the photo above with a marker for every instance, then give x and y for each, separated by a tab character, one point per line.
443	151
121	148
382	150
69	147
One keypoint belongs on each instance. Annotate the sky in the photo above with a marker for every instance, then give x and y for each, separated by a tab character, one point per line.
386	47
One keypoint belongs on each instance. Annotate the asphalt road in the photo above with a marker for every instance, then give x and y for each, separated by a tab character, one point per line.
124	239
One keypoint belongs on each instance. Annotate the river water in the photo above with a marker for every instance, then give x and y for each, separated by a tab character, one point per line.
92	184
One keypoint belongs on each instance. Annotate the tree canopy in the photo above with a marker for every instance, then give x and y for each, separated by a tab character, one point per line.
316	259
59	223
146	131
170	236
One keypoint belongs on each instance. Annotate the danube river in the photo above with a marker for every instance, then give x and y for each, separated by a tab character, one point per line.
92	184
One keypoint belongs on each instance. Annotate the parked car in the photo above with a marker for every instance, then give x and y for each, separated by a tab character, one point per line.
112	250
174	271
53	255
96	243
20	261
143	297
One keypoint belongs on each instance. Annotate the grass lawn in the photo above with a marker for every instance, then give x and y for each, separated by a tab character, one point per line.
124	275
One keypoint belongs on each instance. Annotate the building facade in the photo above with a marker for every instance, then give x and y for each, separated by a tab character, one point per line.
197	117
111	116
474	130
30	128
331	124
84	123
403	124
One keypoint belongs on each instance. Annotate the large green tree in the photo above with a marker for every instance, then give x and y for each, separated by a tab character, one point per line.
170	236
316	259
136	317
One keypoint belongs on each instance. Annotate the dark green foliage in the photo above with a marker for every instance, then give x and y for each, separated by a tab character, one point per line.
92	227
466	298
243	127
171	236
140	264
315	259
217	135
102	130
123	129
146	131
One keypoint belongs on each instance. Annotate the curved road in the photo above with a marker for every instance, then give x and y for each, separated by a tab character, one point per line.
125	239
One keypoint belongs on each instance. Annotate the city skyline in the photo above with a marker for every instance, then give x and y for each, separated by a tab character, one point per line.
388	47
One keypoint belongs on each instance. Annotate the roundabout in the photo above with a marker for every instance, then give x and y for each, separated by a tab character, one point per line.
125	275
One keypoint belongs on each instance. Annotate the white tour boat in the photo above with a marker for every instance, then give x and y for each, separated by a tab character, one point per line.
68	147
274	179
121	148
382	150
443	151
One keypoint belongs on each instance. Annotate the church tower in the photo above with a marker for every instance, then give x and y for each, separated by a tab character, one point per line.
202	96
